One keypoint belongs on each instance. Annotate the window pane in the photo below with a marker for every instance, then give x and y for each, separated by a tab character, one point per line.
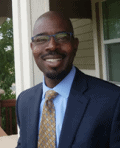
111	19
113	61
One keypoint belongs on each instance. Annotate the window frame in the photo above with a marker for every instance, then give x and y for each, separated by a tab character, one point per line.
98	26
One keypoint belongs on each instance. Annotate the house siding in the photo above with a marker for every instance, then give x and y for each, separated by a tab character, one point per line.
2	19
84	59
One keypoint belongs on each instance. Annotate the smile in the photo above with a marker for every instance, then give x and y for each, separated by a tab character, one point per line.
53	60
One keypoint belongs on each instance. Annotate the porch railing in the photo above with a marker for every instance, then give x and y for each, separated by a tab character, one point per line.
8	105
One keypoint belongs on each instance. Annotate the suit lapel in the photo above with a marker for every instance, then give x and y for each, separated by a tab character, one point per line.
33	117
76	106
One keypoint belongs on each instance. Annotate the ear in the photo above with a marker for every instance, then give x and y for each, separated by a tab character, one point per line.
76	43
31	45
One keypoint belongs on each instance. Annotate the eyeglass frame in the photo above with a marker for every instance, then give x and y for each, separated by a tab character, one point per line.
71	35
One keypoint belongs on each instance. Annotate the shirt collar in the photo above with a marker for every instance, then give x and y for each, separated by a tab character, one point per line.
66	82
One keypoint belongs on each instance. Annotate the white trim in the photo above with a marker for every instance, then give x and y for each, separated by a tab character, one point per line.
96	54
104	68
22	52
95	1
25	38
116	83
106	75
17	46
111	41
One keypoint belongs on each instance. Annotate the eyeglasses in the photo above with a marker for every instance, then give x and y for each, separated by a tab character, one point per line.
62	37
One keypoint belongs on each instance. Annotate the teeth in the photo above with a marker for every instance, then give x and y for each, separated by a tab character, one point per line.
53	60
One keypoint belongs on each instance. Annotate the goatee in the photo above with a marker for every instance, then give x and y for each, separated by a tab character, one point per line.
58	76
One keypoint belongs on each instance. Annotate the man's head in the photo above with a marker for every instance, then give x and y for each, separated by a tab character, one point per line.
54	55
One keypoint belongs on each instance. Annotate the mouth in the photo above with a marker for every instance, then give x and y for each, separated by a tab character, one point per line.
53	60
53	56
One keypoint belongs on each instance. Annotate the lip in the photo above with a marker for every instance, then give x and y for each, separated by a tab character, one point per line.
53	55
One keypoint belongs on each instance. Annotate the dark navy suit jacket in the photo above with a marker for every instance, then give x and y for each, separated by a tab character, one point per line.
92	117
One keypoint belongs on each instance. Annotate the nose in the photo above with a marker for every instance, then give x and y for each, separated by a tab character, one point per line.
52	44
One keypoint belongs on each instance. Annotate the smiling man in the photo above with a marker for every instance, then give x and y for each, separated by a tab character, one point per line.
54	55
69	109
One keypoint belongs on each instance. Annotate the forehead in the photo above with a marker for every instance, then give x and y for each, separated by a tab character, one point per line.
51	25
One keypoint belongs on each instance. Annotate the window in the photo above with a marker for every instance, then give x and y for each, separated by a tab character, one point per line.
111	39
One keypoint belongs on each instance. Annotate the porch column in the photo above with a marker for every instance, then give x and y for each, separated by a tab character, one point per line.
25	12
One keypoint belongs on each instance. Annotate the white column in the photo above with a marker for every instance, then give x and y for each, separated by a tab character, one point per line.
22	51
96	53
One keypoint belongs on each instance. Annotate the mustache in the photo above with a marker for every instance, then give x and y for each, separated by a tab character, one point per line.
63	55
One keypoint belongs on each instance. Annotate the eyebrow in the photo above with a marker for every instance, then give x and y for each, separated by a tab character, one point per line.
41	34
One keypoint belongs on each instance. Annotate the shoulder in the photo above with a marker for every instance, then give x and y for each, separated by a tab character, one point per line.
31	92
97	83
100	93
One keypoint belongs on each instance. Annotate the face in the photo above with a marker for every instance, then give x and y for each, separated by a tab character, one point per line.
54	59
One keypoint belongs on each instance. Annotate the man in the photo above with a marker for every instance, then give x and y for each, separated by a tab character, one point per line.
86	108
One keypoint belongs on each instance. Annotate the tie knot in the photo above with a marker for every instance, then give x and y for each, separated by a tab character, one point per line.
50	94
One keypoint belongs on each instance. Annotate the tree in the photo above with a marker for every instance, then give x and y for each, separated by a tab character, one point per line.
7	70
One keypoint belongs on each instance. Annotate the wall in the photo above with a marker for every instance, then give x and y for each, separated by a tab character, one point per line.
84	59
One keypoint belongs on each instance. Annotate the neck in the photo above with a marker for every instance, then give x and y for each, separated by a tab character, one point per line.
51	83
51	80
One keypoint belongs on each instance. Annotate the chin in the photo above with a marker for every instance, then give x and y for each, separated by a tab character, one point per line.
55	75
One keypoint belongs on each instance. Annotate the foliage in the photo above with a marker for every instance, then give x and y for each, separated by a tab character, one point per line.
7	70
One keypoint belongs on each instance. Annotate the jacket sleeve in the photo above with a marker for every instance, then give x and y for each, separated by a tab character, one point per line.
115	131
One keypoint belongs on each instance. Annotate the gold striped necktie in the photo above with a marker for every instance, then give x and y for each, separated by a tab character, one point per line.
47	132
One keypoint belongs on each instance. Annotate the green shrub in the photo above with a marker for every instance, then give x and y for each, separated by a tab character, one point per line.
7	70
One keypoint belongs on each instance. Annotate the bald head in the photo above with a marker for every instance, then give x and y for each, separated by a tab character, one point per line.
54	56
55	16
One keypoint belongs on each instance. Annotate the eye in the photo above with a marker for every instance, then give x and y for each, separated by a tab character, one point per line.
63	37
41	39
